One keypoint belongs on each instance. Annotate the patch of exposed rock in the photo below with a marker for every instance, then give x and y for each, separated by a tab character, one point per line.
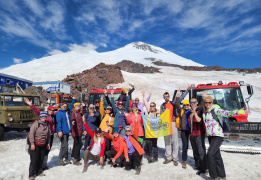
132	67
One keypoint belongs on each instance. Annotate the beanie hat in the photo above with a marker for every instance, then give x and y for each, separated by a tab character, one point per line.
134	104
186	102
75	104
208	98
43	113
128	127
123	89
50	107
116	129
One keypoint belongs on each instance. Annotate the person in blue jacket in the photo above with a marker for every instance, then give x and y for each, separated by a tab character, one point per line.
63	129
92	117
120	118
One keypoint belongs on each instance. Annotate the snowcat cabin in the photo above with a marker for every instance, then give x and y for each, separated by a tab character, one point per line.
57	100
95	94
227	96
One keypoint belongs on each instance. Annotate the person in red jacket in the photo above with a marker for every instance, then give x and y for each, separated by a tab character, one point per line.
134	119
51	121
96	150
77	128
116	154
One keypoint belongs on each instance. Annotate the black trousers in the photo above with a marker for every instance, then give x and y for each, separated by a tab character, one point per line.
184	138
108	144
152	147
112	153
215	161
135	160
87	141
77	145
36	159
51	144
199	150
64	146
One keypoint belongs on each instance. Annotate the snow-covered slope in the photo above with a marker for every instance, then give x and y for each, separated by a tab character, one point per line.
56	67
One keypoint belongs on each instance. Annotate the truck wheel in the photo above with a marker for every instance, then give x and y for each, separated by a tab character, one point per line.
2	131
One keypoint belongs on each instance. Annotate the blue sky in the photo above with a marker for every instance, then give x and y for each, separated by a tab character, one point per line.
216	32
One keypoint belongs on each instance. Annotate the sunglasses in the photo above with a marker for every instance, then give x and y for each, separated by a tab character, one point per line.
193	102
137	100
127	130
152	106
134	106
186	105
108	109
120	105
78	105
65	106
208	102
51	110
165	96
43	116
91	108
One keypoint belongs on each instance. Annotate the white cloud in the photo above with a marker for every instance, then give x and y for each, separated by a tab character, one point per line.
85	48
17	61
104	45
35	7
55	51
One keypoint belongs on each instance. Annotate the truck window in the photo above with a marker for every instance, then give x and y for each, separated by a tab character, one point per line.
52	101
1	100
37	101
96	96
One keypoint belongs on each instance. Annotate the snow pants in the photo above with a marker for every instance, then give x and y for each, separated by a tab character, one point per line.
135	160
215	161
184	138
77	145
152	147
112	153
64	146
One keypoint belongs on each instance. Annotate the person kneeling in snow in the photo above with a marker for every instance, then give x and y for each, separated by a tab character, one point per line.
116	154
39	137
96	150
132	150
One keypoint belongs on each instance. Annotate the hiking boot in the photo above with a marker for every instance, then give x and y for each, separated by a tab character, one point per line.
41	174
153	160
167	161
31	178
150	159
67	161
220	178
85	167
115	165
61	163
176	163
197	164
138	169
202	172
45	167
184	164
77	163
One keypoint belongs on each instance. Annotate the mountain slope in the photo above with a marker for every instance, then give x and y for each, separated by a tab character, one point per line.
57	67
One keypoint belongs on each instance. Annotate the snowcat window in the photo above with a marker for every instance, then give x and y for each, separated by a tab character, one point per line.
1	100
227	98
96	96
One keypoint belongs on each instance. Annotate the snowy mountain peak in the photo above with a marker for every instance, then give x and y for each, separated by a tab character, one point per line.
145	47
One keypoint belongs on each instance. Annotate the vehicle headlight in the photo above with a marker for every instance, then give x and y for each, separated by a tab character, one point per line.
10	118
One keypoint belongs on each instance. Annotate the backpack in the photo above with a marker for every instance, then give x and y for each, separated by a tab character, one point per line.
178	119
222	121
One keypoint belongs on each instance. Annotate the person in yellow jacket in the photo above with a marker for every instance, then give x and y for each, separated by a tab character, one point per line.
106	122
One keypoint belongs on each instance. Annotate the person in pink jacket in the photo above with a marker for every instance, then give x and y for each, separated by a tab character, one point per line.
134	119
50	119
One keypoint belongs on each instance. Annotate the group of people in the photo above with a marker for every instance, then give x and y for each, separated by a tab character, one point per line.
116	134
